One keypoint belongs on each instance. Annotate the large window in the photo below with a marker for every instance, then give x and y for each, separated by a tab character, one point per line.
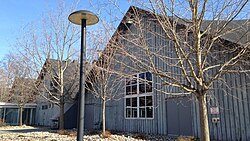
139	97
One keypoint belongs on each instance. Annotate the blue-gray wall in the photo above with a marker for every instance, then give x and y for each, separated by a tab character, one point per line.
231	97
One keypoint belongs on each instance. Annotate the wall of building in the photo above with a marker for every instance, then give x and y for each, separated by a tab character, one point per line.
233	116
10	114
230	122
47	112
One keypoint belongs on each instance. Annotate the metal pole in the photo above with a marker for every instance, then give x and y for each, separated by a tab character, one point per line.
81	104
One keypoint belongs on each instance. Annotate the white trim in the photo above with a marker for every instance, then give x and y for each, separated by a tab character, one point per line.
137	96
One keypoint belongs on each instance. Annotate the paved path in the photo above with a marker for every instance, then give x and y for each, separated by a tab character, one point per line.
23	130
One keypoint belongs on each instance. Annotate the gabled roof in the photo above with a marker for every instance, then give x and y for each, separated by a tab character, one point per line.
239	36
51	64
236	31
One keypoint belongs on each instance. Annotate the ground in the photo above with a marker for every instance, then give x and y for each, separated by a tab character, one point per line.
28	133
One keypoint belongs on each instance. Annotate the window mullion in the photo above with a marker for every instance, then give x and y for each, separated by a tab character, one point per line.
137	96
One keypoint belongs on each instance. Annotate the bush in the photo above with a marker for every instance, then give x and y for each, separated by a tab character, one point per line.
106	134
140	136
65	132
182	138
72	133
2	122
62	132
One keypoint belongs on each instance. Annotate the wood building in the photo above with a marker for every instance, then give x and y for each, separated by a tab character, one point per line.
145	105
48	94
10	113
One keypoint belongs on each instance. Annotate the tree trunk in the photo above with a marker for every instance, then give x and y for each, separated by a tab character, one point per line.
61	122
21	116
205	135
103	115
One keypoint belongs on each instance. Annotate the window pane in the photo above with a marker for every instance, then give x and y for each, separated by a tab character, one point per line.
127	81
148	76
142	112
134	102
142	75
149	87
141	88
134	89
142	78
149	112
128	101
128	90
11	115
142	101
149	101
134	80
134	112
128	112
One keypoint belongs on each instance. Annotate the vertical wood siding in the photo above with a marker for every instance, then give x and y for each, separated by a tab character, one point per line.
233	101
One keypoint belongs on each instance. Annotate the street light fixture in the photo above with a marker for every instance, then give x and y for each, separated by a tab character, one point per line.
83	18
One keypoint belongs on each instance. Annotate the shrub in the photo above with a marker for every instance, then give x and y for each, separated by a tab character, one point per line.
2	122
65	132
106	134
182	138
72	133
140	136
62	132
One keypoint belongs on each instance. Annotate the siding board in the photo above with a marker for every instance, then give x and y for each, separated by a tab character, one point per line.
241	108
234	103
236	110
226	113
223	134
245	103
231	109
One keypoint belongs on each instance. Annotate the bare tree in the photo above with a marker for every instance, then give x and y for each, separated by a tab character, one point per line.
5	84
52	50
17	74
103	81
188	45
22	93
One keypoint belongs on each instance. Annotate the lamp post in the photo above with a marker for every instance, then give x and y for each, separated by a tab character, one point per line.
83	18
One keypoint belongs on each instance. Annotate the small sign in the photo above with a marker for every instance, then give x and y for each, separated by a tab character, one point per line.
214	110
215	120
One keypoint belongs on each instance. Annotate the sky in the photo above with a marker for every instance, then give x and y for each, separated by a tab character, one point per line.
16	14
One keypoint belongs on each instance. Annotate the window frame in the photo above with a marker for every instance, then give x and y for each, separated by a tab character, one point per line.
138	95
